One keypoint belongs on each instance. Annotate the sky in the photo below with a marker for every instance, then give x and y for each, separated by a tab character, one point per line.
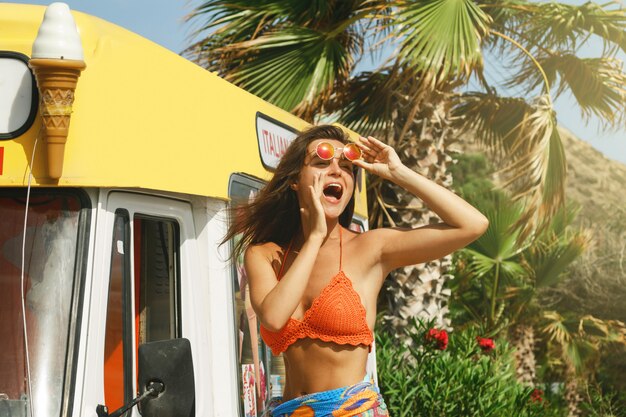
162	21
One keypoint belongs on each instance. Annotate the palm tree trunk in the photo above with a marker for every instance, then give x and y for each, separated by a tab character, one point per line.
417	291
523	341
572	392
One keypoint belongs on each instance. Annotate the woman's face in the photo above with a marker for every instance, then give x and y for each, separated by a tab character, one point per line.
337	178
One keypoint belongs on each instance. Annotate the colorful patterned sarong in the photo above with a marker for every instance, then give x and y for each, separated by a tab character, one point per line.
359	400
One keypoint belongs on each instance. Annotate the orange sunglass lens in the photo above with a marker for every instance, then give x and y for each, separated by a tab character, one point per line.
352	152
325	151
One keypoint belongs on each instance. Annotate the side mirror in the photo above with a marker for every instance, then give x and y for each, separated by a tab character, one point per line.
166	382
167	362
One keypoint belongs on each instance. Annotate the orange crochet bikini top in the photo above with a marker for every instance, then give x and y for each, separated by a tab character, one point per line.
336	315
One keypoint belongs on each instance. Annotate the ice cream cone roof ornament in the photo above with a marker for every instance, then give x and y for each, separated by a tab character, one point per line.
58	36
57	61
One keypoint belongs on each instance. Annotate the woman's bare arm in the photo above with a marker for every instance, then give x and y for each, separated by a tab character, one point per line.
275	301
462	223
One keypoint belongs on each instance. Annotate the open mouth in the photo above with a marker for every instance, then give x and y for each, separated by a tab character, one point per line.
333	191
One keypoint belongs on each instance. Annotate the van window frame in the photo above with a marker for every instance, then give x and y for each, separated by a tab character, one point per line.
34	99
126	301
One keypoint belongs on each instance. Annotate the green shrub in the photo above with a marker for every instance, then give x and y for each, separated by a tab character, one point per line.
421	380
602	404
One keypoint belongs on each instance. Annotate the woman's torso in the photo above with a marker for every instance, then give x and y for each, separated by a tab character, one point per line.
313	365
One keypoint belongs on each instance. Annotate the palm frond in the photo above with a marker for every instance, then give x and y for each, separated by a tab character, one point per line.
293	66
503	14
526	137
579	340
323	15
390	103
561	26
575	353
539	175
480	264
235	16
549	261
562	219
224	22
555	329
442	38
495	121
291	53
597	84
593	327
369	103
500	240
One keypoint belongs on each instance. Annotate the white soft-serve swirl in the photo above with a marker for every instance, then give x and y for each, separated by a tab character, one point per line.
58	36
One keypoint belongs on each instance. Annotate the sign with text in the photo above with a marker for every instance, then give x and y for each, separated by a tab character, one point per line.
273	138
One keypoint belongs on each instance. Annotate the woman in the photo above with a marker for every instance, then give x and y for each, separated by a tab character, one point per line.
314	283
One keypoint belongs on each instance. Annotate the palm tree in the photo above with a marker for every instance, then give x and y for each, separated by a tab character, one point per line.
492	264
574	346
301	56
502	279
547	258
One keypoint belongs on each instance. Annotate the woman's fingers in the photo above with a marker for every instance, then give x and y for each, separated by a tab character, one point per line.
317	189
313	203
362	163
373	143
370	155
373	149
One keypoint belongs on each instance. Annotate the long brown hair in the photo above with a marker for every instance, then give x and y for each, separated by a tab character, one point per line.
274	215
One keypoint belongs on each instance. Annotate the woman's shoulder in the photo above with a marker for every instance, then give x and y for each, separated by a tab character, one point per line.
266	253
361	240
368	235
374	240
268	250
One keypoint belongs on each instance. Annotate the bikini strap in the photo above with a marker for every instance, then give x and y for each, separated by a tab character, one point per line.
282	266
340	249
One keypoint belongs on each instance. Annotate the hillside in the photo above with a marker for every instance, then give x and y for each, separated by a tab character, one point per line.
595	182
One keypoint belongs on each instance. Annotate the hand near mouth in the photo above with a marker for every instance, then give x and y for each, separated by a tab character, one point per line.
312	212
378	158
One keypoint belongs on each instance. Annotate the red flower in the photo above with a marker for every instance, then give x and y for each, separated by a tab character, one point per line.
440	337
487	345
536	396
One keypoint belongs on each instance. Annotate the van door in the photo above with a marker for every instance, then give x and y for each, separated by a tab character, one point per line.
149	255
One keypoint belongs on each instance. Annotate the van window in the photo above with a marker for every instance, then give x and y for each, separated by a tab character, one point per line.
142	307
51	247
156	271
260	374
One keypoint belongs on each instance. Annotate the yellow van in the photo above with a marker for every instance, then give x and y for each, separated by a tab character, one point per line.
112	279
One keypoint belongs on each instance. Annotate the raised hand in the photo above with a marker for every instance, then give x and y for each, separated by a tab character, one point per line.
378	158
312	211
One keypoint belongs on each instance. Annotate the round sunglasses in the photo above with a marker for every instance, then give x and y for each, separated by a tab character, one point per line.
326	151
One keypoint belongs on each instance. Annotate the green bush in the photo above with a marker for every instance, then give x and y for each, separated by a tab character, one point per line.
421	380
601	404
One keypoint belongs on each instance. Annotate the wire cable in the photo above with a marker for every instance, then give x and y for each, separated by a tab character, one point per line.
22	279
